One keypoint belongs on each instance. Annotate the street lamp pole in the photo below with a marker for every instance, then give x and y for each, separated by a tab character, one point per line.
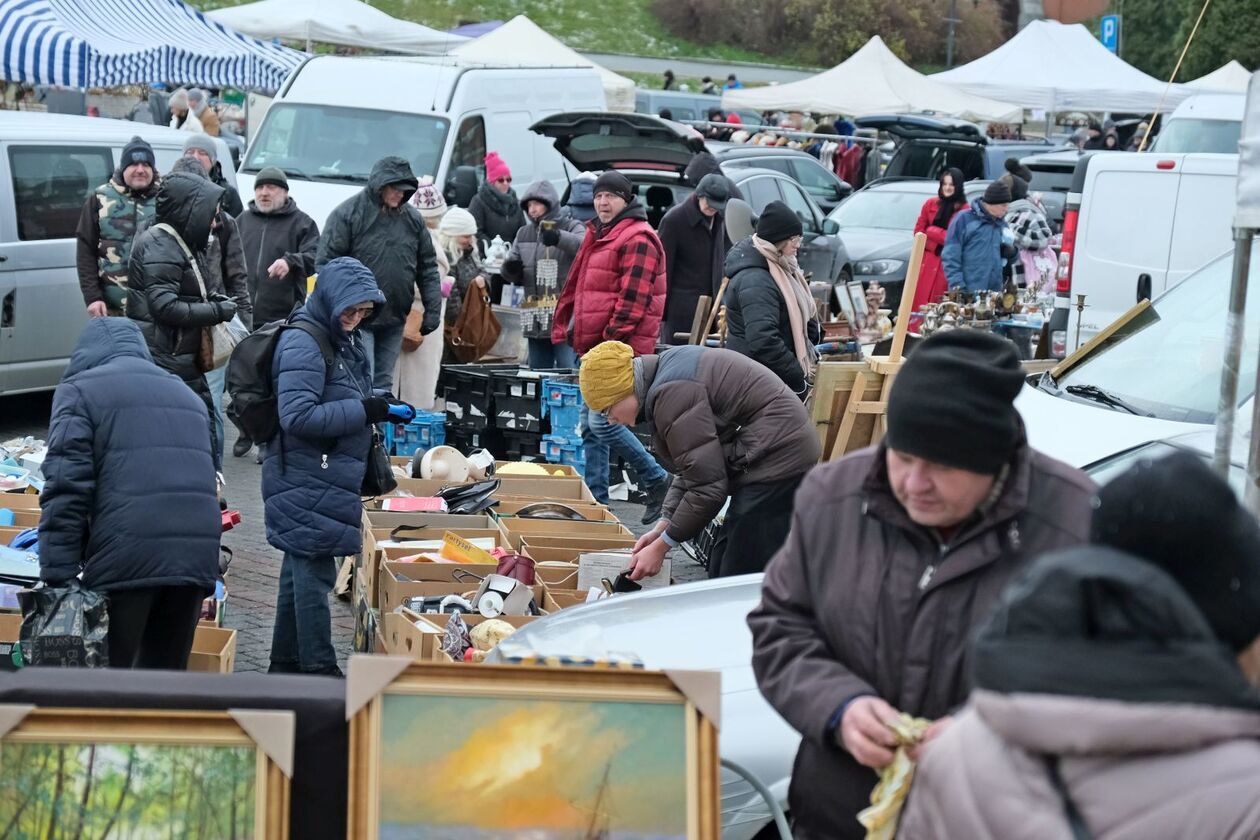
952	22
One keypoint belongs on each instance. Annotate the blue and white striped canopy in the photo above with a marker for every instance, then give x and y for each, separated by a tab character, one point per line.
103	43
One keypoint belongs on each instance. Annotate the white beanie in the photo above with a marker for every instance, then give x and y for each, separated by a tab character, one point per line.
428	199
458	222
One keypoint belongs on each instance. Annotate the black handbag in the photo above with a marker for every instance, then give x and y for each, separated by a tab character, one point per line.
378	479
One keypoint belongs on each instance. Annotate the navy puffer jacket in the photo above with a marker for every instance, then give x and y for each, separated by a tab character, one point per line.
130	498
314	468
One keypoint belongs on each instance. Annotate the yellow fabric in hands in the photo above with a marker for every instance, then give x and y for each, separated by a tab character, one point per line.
889	795
607	374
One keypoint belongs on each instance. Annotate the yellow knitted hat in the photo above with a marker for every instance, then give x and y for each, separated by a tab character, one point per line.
607	374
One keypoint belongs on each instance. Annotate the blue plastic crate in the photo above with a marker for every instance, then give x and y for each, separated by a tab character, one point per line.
562	401
564	449
426	431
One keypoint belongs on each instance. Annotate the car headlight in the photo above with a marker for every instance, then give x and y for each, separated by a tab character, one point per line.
878	266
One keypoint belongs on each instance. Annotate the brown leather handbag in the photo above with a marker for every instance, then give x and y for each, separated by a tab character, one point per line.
476	329
411	331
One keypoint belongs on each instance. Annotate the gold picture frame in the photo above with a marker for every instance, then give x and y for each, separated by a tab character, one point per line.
203	757
582	766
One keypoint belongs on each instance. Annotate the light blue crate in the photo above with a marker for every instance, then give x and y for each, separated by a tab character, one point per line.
426	431
564	449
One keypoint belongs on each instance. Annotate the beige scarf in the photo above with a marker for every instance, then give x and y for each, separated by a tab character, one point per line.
800	303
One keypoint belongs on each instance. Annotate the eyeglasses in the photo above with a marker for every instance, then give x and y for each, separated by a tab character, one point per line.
360	311
796	240
503	180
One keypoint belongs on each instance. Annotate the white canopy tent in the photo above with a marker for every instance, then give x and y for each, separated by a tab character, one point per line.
347	22
872	81
522	42
1228	78
1053	67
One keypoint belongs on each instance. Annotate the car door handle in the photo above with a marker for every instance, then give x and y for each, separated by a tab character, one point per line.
7	309
1143	287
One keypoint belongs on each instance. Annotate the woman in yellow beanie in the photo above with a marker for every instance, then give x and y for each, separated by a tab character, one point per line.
607	375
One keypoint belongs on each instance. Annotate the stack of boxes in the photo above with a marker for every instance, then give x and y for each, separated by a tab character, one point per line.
562	404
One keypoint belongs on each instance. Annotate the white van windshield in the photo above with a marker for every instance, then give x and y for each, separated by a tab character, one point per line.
322	142
1189	135
1171	368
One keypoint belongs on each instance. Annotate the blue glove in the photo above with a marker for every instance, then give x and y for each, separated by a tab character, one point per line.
400	412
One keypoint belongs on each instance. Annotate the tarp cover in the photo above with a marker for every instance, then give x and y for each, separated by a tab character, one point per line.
524	43
1229	78
1058	67
104	43
1248	213
346	22
872	81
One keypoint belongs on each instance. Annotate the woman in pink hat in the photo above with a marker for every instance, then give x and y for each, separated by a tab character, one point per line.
496	206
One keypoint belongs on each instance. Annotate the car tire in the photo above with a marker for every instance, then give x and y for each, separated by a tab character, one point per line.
845	276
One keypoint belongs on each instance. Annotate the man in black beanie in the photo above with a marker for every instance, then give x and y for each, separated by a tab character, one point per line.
896	553
972	255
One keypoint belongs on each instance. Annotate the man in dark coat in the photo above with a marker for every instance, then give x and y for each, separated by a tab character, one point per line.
130	497
313	470
166	283
896	554
694	237
203	149
724	426
382	230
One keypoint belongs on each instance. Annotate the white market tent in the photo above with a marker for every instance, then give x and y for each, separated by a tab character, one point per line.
1228	78
872	81
106	43
349	23
522	42
1053	67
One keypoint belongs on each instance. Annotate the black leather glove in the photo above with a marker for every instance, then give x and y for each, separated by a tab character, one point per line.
376	409
551	238
226	309
513	268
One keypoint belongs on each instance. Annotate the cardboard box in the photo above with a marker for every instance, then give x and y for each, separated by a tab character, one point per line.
381	522
509	508
439	622
7	534
557	573
561	599
20	501
23	519
397	552
557	488
400	581
213	650
567	549
553	470
520	530
404	638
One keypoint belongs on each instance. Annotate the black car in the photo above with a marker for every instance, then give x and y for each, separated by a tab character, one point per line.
823	185
927	145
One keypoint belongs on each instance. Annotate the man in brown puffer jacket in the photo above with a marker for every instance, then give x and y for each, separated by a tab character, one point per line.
896	553
724	425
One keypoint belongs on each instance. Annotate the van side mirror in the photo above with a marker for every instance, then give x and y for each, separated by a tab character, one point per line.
830	227
461	186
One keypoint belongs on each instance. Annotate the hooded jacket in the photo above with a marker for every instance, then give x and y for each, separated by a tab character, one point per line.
225	256
972	255
529	248
757	321
130	497
165	298
581	204
112	216
617	290
497	214
313	470
393	244
286	234
1102	662
695	247
720	422
861	600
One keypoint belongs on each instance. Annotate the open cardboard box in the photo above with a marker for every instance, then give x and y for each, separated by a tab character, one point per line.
213	650
404	638
439	622
23	519
553	470
395	592
572	547
402	580
19	501
510	508
521	530
557	488
561	599
387	520
7	534
557	573
397	552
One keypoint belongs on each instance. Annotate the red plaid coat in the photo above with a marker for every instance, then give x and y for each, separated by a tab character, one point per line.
616	287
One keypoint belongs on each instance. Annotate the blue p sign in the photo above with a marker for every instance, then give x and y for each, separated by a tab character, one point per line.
1109	32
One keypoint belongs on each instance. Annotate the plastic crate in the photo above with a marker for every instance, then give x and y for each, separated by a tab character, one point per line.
562	402
469	395
426	431
469	440
520	446
565	449
517	400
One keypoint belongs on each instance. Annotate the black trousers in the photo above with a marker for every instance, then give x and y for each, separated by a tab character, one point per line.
153	626
756	526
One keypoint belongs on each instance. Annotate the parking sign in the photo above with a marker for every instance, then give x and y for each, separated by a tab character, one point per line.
1109	32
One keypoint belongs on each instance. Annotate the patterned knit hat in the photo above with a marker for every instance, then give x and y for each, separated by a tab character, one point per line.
607	374
428	199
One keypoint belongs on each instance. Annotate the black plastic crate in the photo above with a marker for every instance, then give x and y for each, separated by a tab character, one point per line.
469	395
468	440
520	446
517	400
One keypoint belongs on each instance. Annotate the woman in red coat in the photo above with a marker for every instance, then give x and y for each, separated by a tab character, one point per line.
934	219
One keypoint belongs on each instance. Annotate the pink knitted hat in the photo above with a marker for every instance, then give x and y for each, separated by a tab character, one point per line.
496	168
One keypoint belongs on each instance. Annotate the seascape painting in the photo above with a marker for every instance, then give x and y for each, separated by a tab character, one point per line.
493	768
126	791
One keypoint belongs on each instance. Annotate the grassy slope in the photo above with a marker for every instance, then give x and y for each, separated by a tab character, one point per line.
624	26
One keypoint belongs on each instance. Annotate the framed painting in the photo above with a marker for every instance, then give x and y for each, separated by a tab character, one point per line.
95	774
857	298
489	752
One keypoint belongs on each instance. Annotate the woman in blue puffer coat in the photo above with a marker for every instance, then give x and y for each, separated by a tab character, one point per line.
313	469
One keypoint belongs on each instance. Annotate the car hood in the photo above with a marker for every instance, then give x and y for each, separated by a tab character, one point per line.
876	243
593	141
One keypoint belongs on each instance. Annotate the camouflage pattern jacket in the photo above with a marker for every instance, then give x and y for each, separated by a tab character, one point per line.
112	215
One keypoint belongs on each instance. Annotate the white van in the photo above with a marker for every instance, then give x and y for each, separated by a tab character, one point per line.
336	116
1136	225
1206	122
49	163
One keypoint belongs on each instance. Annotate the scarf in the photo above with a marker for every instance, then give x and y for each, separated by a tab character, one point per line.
505	204
800	303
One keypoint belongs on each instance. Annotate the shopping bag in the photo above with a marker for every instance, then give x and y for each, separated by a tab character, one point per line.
65	626
476	329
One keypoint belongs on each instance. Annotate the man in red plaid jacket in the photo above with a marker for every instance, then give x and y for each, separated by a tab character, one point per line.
616	292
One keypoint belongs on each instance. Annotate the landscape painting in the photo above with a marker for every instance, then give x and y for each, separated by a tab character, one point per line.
121	791
498	767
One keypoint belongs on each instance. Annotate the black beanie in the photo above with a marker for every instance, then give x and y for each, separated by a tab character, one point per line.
778	223
614	182
1176	513
997	192
1018	169
271	175
138	150
953	403
1019	187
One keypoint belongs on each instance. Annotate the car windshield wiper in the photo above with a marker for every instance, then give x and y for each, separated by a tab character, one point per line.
296	173
1093	392
343	176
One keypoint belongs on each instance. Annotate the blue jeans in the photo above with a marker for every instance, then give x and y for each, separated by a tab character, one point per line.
302	636
598	437
383	347
217	380
543	355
